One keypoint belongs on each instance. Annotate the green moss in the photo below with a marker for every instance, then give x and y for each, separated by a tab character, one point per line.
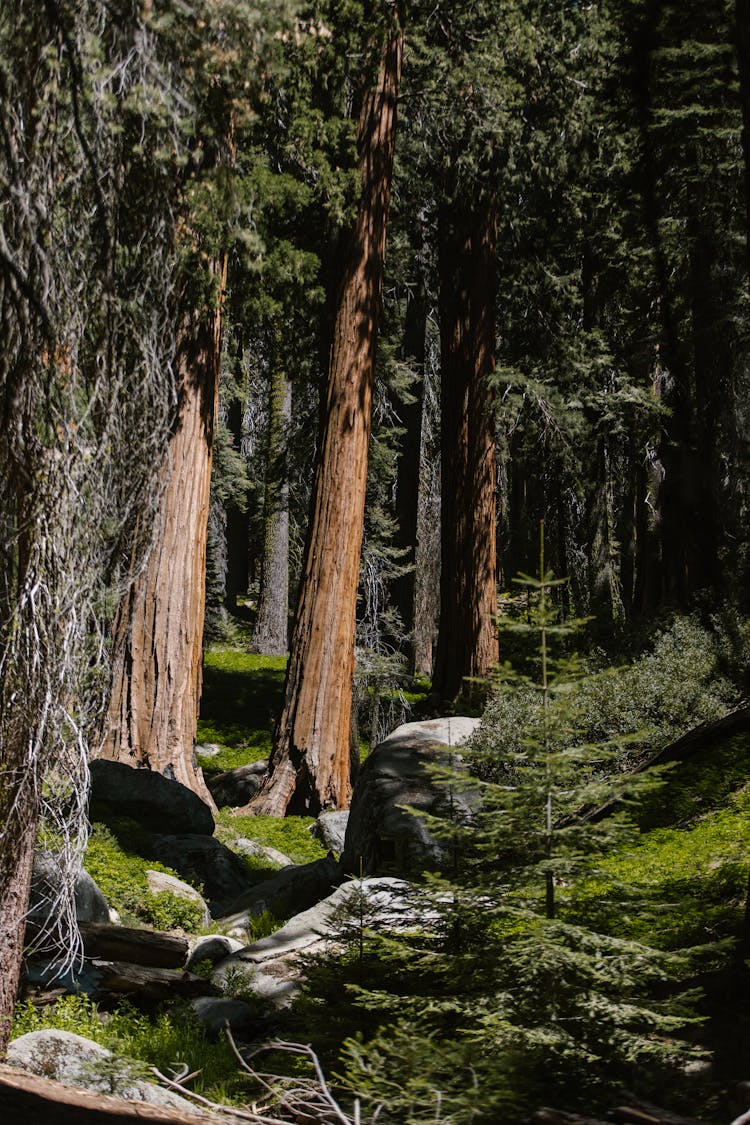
242	696
251	750
113	863
290	835
682	886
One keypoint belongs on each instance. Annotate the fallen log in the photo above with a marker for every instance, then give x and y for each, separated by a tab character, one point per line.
138	947
40	1101
148	982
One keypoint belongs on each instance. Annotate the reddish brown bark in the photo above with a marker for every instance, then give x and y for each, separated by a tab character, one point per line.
310	763
153	708
467	640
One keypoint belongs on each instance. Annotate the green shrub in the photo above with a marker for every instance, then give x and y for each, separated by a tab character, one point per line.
666	691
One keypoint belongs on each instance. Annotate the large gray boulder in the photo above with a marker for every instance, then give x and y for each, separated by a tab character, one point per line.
76	1061
271	968
453	730
291	890
91	905
236	787
150	798
382	836
203	860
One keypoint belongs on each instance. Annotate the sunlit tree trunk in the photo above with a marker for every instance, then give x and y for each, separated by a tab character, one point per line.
467	639
158	632
310	765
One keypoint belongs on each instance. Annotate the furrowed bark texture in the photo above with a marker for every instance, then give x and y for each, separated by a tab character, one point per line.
310	765
156	689
467	640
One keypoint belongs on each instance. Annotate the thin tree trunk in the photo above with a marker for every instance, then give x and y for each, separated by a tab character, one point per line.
310	765
153	708
407	479
742	16
271	631
237	526
467	639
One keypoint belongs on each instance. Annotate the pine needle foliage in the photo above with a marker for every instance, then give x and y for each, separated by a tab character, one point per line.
506	998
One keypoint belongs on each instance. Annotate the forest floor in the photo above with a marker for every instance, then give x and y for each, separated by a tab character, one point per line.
689	869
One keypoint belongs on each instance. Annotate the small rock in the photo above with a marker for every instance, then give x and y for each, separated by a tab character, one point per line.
208	749
160	881
213	948
330	829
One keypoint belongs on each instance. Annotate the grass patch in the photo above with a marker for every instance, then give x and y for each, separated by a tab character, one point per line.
121	875
242	697
696	877
231	757
290	835
161	1040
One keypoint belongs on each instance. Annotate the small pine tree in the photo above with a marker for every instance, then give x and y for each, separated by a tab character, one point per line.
544	1007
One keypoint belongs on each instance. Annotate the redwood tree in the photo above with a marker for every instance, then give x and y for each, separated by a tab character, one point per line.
467	639
156	683
310	765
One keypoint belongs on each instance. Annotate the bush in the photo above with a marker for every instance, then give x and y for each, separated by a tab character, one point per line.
675	686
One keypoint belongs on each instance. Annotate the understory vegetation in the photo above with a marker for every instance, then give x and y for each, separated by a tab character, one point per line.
564	960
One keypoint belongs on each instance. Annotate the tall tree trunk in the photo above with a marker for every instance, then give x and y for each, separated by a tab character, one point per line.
467	640
407	474
237	525
742	16
270	636
156	684
310	765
